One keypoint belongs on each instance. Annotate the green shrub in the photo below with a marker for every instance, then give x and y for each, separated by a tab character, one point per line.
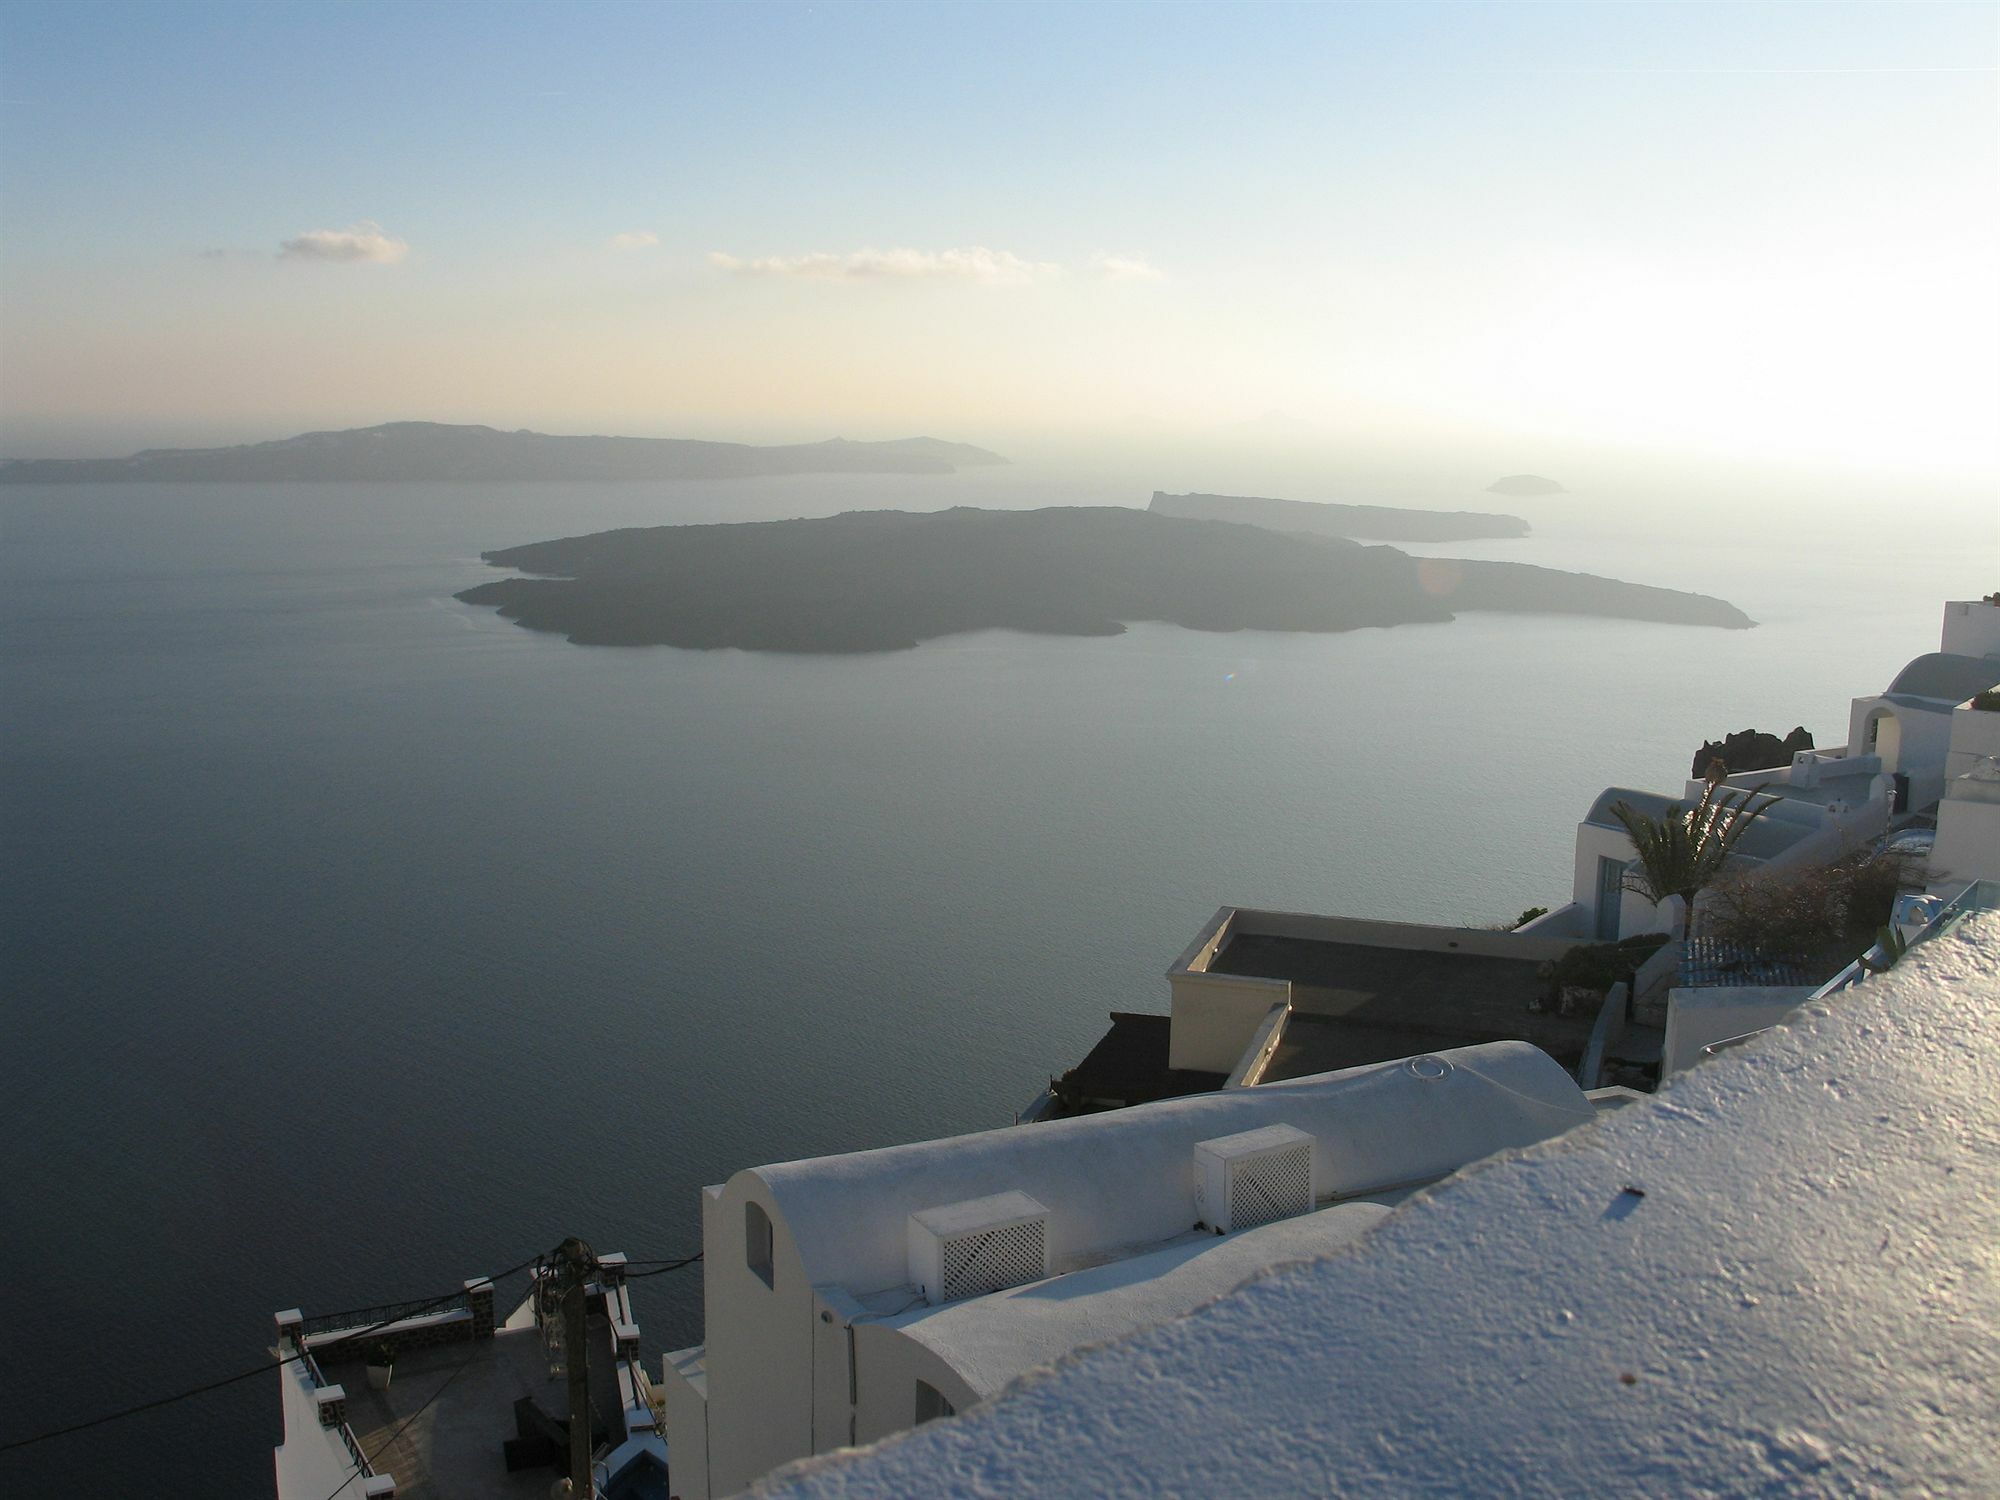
1598	966
1820	915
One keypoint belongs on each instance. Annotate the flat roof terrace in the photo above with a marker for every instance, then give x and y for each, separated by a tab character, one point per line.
1365	992
441	1426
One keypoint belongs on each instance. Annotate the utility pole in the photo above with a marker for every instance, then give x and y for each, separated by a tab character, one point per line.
575	1264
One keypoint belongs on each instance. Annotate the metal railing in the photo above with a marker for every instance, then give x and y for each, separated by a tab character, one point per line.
1981	895
392	1312
353	1445
318	1381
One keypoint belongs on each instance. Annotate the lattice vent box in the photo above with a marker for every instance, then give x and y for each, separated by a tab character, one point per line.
981	1245
1253	1178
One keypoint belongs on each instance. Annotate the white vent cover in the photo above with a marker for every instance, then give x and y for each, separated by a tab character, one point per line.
979	1246
1252	1178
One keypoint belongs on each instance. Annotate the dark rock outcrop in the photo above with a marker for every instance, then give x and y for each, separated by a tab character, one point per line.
887	580
1751	750
405	451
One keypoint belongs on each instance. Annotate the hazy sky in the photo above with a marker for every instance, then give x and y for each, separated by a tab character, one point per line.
1757	230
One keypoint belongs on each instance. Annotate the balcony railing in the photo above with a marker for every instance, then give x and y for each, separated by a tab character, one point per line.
317	1380
392	1312
1981	895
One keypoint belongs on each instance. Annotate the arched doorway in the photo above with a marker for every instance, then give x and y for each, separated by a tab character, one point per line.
1884	737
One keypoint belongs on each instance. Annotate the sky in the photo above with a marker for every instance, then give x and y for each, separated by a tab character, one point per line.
1761	231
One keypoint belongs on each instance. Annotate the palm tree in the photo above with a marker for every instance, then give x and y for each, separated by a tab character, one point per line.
1685	848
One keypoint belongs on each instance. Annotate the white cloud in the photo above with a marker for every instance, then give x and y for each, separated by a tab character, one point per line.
634	239
1126	268
975	263
360	242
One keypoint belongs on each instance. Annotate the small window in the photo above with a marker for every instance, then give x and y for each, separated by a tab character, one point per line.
757	1241
931	1404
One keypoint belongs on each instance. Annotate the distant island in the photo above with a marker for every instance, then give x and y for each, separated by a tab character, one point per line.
401	451
1380	523
888	580
1524	484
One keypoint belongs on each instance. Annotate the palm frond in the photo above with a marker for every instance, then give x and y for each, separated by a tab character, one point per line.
1682	850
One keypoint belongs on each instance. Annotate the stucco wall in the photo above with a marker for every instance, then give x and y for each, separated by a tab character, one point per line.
312	1460
1968	845
1636	914
1924	739
1216	1015
1696	1018
1971	628
889	1364
1975	734
760	1356
687	1424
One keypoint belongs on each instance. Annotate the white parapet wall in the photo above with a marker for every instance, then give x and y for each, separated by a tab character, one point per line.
1971	628
1217	1017
1698	1017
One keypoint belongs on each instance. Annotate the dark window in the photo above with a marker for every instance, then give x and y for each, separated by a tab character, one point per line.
757	1241
931	1404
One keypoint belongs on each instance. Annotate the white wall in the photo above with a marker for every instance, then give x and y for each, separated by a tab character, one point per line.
889	1364
1216	1015
312	1460
1968	838
1636	914
760	1342
1975	734
1971	628
1696	1018
1915	745
685	1386
1968	827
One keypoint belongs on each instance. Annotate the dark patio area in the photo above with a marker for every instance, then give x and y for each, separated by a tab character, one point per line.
1355	1003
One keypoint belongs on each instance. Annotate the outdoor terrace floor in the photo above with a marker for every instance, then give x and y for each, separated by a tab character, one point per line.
452	1450
1355	1003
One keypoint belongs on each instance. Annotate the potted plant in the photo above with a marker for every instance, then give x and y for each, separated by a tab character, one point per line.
381	1357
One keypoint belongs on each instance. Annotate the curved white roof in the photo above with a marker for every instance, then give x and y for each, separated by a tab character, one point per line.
1127	1177
1764	839
1944	677
994	1339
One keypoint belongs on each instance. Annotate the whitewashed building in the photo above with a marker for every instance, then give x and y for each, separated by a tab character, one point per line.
1967	848
1899	757
1772	1279
851	1297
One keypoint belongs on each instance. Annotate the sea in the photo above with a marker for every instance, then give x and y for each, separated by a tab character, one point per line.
355	941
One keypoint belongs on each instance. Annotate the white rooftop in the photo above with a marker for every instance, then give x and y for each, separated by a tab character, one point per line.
1126	1178
1778	1275
991	1340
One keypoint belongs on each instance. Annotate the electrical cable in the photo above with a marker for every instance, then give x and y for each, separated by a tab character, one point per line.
662	1267
216	1385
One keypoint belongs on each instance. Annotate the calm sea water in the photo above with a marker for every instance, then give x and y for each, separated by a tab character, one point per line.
356	941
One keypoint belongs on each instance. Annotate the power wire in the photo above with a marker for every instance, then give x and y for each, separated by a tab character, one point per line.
216	1385
660	1268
